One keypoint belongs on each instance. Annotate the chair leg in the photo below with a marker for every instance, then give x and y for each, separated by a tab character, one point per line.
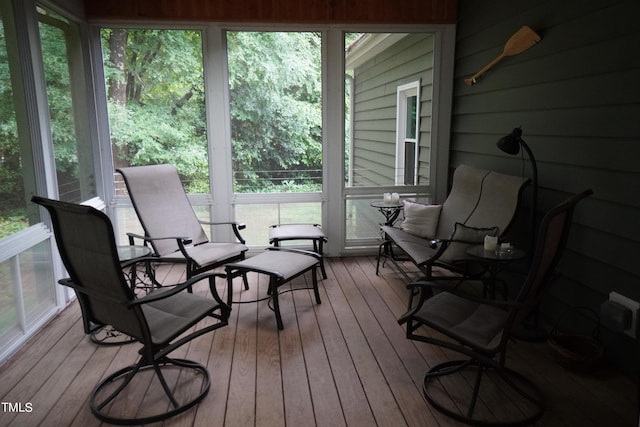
273	291
314	278
384	245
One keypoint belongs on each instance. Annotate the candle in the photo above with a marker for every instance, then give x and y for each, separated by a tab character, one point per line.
490	243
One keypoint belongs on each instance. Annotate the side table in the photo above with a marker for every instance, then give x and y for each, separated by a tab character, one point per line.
390	210
494	261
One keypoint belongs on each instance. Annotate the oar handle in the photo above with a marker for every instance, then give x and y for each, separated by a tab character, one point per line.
471	80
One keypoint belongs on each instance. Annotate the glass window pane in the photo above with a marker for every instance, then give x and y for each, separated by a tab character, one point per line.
275	92
155	89
16	174
374	63
26	290
411	117
68	109
257	232
37	279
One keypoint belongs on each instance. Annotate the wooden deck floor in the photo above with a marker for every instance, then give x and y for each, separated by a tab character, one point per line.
343	362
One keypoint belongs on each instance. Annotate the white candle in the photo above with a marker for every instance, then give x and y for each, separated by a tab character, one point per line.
490	243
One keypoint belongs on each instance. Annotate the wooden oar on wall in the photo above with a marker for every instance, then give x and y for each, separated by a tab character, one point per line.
522	40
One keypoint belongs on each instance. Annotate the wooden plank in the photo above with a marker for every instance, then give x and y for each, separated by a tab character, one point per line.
324	394
353	400
270	407
240	409
295	383
381	399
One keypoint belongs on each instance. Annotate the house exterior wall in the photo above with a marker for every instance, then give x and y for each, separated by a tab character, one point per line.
576	95
375	106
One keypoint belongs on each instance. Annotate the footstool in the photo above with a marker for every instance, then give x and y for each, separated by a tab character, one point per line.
281	265
281	232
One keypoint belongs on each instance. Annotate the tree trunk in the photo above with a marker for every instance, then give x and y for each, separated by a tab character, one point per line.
117	87
117	57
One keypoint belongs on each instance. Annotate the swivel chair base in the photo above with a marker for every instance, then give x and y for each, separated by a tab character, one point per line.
104	406
515	391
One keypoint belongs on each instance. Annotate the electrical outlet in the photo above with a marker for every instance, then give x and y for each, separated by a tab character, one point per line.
632	305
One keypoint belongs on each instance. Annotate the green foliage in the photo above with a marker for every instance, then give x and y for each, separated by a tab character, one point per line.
162	119
276	116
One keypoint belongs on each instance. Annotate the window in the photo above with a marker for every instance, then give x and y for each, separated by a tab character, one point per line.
68	108
275	89
385	138
275	109
155	96
389	95
156	104
304	125
15	177
407	135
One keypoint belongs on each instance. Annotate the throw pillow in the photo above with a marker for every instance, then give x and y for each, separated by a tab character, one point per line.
420	219
463	237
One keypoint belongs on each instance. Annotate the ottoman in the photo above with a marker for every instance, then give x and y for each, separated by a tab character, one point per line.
281	232
281	265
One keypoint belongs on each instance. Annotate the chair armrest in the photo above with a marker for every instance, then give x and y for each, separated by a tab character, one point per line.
174	289
181	239
235	225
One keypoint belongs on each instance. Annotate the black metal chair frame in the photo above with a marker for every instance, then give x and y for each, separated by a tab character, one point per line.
491	355
184	243
111	301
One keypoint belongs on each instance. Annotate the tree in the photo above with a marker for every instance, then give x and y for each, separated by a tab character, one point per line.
157	114
156	100
276	118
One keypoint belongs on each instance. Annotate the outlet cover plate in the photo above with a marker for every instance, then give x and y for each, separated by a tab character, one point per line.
632	305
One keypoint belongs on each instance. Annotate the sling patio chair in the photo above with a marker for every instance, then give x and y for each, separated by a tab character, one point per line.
161	321
480	329
170	224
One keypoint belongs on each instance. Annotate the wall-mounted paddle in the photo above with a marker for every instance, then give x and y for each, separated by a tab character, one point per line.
522	40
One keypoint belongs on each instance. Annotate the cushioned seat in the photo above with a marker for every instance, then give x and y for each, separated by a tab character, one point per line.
284	232
282	266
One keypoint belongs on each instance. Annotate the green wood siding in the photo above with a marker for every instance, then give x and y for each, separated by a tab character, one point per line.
376	82
576	95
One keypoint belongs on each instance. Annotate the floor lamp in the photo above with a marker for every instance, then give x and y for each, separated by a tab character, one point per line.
511	144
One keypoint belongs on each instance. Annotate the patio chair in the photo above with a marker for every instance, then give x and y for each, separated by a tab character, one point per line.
480	329
161	321
170	224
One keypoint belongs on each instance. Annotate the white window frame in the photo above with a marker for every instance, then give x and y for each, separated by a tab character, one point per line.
404	92
335	193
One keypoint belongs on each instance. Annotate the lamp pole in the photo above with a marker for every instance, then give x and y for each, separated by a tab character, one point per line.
511	144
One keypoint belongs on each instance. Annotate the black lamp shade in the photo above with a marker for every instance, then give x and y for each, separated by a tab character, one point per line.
510	144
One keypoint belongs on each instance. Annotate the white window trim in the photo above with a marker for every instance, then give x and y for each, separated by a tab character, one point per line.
403	93
335	193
